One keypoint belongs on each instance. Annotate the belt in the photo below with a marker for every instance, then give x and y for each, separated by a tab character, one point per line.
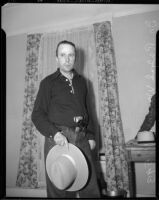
72	134
75	129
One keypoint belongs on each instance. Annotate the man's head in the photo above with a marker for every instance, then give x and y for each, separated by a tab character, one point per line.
65	55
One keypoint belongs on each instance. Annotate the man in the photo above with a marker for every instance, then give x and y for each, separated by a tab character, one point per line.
60	104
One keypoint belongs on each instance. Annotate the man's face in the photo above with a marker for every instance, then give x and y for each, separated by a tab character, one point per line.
66	57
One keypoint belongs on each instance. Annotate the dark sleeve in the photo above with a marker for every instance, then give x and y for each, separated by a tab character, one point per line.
40	111
150	117
90	133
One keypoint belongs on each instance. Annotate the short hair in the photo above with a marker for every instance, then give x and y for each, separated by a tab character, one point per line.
65	42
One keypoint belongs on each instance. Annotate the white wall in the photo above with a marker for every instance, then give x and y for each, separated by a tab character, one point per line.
15	73
131	35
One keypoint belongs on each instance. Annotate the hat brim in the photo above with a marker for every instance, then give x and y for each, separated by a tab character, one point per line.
79	158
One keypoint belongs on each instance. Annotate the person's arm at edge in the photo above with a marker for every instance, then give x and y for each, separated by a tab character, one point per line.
150	117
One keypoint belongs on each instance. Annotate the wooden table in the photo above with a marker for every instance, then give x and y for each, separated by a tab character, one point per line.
138	153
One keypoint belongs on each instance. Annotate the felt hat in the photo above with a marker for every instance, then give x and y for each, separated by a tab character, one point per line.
146	136
67	167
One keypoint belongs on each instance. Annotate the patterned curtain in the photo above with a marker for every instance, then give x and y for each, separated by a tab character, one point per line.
29	151
111	124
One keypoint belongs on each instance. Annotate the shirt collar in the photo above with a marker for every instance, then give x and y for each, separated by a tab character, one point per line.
58	73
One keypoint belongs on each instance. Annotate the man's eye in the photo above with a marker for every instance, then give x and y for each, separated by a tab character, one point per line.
70	55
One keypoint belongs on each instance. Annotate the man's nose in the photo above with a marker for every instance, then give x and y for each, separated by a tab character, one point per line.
67	58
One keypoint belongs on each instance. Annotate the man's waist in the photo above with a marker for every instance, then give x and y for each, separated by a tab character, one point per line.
75	129
69	120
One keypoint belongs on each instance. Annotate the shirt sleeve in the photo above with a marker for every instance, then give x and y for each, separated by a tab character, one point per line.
150	117
40	111
90	133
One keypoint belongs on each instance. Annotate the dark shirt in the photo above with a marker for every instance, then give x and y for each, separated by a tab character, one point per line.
150	117
57	104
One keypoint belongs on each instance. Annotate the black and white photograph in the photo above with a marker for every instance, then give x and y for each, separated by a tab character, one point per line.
80	100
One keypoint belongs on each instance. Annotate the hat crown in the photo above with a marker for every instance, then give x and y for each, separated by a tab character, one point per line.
145	136
67	167
63	172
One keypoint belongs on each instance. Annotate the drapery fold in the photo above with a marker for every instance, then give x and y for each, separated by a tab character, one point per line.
96	62
27	176
111	123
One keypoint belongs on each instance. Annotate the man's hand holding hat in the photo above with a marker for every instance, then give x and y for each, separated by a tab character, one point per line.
60	139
